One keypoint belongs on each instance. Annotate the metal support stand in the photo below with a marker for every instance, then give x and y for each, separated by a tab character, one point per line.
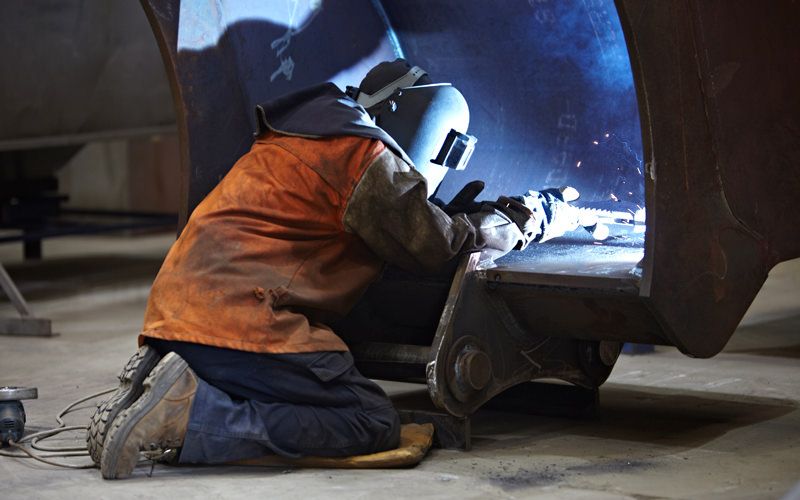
530	398
450	433
26	324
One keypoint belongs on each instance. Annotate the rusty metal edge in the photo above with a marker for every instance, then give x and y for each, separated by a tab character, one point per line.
435	369
645	122
168	48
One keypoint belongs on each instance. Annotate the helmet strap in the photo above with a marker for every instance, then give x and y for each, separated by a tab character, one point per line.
370	100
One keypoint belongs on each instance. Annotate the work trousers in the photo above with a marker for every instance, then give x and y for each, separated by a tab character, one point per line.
249	405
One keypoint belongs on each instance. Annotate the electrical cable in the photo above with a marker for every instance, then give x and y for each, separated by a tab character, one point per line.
58	451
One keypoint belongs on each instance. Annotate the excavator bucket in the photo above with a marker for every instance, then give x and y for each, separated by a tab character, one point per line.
684	114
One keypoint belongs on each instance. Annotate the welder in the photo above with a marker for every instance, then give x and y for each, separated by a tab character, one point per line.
235	358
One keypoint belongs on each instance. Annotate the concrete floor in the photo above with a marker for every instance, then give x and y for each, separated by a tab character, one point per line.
669	426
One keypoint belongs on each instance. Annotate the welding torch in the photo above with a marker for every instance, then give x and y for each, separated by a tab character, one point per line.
596	221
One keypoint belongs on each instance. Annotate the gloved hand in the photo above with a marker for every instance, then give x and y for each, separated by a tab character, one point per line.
541	215
516	210
551	209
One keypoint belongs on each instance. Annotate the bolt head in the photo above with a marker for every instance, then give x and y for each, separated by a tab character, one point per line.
474	369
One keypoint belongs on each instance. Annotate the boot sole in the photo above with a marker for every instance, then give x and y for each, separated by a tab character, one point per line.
156	386
130	388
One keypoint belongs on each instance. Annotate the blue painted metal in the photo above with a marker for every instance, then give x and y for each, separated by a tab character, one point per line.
552	100
550	89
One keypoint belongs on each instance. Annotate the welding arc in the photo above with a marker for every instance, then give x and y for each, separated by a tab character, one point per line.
61	451
597	221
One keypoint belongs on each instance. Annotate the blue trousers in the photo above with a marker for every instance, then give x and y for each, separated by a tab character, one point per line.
249	405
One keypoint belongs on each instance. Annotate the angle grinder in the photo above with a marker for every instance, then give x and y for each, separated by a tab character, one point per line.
12	413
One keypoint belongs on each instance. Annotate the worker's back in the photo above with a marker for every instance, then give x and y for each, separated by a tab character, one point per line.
265	260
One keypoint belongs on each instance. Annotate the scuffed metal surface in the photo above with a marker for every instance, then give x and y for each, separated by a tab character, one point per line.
722	126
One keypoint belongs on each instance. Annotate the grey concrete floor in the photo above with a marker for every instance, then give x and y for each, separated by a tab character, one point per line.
669	426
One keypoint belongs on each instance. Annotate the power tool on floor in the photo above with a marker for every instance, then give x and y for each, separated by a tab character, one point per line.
12	413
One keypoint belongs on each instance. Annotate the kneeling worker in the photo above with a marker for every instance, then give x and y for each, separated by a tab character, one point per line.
235	359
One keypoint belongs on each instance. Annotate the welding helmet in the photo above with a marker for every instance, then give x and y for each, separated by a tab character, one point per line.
427	120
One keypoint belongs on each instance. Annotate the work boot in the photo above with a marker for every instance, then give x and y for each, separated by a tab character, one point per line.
156	421
129	390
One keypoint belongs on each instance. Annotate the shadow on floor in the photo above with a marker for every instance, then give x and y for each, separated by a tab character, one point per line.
633	414
790	351
641	418
775	338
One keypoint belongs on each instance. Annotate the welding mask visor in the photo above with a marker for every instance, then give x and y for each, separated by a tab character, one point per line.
428	121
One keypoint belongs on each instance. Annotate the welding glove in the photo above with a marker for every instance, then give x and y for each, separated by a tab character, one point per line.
541	215
552	212
516	210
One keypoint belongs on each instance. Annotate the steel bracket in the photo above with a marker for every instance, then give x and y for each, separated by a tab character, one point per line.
481	349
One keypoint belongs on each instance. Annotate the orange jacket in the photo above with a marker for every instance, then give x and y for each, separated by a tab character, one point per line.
265	259
298	229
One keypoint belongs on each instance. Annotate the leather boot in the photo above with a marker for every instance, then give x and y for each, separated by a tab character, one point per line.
157	420
129	390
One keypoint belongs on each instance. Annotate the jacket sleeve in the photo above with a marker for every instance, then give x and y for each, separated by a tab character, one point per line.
390	211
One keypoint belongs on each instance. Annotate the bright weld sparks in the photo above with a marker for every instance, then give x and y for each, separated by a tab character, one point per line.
578	165
614	197
595	143
607	134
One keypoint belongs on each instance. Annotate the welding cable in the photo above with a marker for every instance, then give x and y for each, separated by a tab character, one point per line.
59	451
35	438
41	458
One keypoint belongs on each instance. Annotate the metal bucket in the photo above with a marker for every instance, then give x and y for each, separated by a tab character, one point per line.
687	109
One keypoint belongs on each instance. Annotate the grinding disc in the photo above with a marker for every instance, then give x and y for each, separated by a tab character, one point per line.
18	393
